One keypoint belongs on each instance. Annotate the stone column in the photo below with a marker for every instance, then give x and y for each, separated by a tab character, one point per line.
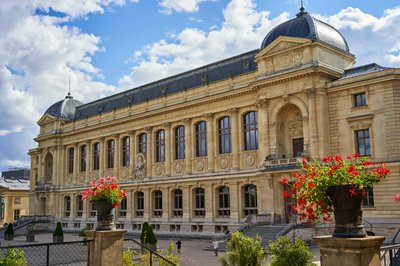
209	202
349	251
149	152
186	201
235	137
188	146
234	198
148	204
210	142
263	129
166	203
322	114
106	248
169	144
310	92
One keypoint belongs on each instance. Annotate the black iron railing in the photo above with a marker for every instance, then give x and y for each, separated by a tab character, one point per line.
390	255
51	254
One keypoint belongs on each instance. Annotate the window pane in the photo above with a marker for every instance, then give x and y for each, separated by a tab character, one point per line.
143	144
110	154
125	151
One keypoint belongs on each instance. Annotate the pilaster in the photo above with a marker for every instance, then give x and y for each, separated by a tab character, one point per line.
234	112
210	142
188	146
263	121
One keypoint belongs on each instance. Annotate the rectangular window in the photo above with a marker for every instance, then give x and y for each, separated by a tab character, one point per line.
201	139
142	144
79	204
160	146
125	151
180	143
360	99
123	208
83	158
71	160
110	154
363	142
368	200
16	214
96	156
140	204
93	210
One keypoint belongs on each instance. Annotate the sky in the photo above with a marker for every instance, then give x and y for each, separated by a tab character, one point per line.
101	47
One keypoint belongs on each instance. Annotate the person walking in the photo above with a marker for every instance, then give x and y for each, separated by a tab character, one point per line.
215	246
178	246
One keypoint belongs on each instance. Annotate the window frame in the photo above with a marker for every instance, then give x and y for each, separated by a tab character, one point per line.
71	157
96	156
67	206
224	135
250	130
83	158
139	203
126	148
368	200
180	143
359	99
365	140
249	204
201	139
79	206
157	212
199	202
223	207
160	146
110	153
142	143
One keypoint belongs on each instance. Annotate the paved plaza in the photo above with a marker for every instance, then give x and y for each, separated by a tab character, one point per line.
192	253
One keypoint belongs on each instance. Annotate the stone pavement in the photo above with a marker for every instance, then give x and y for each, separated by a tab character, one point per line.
192	253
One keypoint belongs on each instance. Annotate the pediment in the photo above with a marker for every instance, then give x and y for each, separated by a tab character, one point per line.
45	119
282	43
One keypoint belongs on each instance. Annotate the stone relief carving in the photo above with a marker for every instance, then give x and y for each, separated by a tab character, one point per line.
159	169
125	173
178	168
140	169
82	177
223	163
283	46
200	165
249	159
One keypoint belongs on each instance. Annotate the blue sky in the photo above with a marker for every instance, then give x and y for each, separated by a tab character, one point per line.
113	45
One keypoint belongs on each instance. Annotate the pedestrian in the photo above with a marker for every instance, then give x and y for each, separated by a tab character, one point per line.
215	247
178	246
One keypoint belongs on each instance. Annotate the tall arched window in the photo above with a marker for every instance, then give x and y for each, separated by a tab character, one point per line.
160	146
223	202
67	206
224	135
126	142
79	206
250	199
180	143
70	160
201	139
83	158
157	203
96	156
178	203
199	202
139	204
110	153
123	207
142	143
250	131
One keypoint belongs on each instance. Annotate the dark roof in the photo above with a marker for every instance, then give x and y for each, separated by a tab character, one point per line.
64	108
16	174
362	70
305	26
231	67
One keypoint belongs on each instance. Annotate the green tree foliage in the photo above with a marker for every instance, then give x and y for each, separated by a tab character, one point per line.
244	251
168	253
147	236
143	234
285	252
13	257
9	230
58	231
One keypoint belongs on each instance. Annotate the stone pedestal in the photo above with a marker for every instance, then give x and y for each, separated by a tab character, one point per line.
349	251
106	248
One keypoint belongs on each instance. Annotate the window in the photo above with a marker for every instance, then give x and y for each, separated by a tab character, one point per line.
360	99
224	134
70	160
17	200
139	204
250	130
368	200
201	139
199	207
157	203
83	154
180	143
110	153
223	202
125	151
96	156
123	207
67	206
178	203
16	214
93	211
160	146
79	204
250	199
142	144
363	142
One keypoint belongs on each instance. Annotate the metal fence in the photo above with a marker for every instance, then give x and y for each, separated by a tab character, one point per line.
390	255
74	253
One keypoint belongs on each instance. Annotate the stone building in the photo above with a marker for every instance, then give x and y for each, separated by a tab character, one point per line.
205	150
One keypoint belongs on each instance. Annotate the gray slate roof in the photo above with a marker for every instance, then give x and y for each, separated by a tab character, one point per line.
362	70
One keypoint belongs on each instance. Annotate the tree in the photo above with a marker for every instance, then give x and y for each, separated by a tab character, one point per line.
58	231
13	257
243	251
285	252
10	230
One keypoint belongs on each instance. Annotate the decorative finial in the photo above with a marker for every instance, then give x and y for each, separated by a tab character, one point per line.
69	86
302	12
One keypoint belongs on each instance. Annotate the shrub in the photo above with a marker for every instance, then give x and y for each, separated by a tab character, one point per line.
58	231
83	232
13	257
243	251
143	234
168	253
285	252
10	230
147	236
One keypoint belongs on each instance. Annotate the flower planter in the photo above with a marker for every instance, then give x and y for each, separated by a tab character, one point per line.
58	239
30	238
347	211
9	237
105	215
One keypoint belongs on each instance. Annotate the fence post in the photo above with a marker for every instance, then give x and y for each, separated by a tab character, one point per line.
48	255
106	248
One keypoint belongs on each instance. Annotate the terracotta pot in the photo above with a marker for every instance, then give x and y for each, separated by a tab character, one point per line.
105	216
347	211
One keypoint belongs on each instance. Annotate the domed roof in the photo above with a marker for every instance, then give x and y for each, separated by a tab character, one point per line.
305	26
64	108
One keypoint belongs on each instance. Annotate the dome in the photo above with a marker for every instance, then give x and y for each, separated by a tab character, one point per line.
305	26
64	108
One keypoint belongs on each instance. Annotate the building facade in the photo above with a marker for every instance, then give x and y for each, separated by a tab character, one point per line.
205	150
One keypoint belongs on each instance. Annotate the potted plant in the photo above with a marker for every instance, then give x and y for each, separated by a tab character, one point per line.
9	233
106	194
58	234
337	185
30	237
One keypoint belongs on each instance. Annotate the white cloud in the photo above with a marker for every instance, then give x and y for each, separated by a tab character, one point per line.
243	29
185	6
